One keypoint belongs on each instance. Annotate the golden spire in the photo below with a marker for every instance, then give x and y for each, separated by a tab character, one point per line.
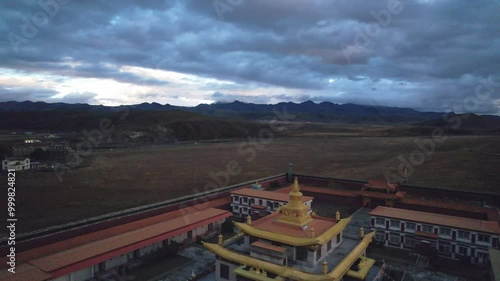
296	187
221	239
295	212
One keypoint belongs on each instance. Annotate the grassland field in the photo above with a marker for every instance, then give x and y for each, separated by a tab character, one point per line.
120	179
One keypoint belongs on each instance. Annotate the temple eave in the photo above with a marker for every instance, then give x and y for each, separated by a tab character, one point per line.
337	273
295	241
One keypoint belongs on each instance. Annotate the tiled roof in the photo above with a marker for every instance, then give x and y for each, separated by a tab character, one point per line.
269	247
437	219
24	272
129	239
322	190
381	184
270	223
264	194
80	240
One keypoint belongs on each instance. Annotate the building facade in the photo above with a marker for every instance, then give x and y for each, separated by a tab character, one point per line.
290	244
248	201
430	234
16	163
86	258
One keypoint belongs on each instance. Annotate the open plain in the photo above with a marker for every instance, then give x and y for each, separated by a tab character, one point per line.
123	178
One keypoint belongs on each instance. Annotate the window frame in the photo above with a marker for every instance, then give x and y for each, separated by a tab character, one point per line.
445	245
466	250
479	235
380	234
380	219
427	226
407	226
441	229
460	234
408	239
395	235
395	221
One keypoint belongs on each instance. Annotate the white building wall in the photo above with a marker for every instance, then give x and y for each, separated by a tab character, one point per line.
479	248
62	278
81	275
116	261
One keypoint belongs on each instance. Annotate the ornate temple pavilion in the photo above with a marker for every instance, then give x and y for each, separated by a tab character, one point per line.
291	244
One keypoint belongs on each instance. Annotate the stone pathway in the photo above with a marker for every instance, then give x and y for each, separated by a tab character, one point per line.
201	260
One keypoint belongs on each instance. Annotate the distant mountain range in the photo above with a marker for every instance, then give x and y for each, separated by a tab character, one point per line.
305	111
62	116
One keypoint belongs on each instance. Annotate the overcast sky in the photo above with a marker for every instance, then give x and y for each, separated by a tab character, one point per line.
423	54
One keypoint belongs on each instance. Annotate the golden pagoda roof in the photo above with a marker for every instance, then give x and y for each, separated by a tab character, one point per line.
290	235
288	272
292	224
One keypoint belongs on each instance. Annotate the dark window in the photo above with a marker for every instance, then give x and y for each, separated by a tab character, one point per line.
301	253
427	228
319	253
463	250
483	238
328	246
224	271
410	226
395	223
394	238
463	234
444	247
380	221
338	238
444	231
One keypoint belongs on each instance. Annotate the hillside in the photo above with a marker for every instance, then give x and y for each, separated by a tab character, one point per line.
305	111
134	126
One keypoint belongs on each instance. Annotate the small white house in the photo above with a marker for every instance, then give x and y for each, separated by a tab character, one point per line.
16	163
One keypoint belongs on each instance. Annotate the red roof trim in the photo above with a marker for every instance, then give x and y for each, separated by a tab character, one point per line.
92	261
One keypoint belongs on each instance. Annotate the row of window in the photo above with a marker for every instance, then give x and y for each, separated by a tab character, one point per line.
443	247
245	200
443	231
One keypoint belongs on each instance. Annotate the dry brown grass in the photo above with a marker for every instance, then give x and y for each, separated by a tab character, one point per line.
127	178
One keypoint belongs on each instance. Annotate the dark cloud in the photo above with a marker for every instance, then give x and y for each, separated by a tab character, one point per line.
431	55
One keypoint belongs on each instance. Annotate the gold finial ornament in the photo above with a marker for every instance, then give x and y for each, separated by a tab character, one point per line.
325	267
311	230
295	212
361	232
337	215
221	239
249	220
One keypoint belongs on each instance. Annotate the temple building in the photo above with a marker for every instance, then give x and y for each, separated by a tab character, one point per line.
292	244
380	193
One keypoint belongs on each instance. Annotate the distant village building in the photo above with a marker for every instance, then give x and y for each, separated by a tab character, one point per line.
255	202
431	234
32	141
40	165
16	163
24	150
51	136
58	152
291	244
